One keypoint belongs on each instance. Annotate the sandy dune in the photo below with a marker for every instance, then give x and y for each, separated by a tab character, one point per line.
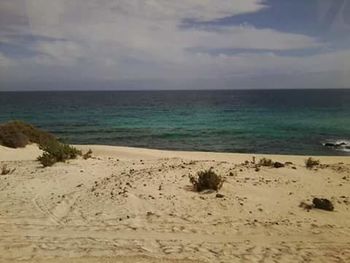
136	205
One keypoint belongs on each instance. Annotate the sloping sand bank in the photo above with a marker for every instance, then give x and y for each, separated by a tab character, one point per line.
136	205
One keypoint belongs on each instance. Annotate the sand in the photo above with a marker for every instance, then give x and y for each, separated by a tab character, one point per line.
137	205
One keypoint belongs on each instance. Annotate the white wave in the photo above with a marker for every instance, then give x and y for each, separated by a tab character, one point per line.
339	144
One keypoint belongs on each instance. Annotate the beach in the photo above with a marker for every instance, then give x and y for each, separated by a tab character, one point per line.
137	205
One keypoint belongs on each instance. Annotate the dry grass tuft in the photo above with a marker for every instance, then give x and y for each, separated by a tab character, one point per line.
87	155
265	162
310	163
206	180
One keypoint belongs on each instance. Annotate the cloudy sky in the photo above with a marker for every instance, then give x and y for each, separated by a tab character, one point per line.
174	44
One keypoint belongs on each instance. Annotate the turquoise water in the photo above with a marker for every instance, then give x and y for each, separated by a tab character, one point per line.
266	121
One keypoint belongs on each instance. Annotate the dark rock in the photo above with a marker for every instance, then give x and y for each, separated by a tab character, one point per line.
278	165
322	203
219	195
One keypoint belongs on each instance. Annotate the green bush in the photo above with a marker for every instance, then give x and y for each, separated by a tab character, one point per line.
310	163
47	159
16	134
55	151
207	179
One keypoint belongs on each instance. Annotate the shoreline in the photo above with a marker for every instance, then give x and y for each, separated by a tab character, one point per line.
201	154
126	152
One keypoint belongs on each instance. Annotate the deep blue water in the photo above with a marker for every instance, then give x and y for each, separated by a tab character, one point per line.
260	121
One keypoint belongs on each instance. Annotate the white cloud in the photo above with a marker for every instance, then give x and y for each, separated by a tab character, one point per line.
136	39
244	37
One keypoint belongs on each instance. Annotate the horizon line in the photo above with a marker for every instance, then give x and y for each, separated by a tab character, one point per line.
135	90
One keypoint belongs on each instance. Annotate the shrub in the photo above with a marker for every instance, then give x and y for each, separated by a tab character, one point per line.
266	162
87	155
310	163
207	179
57	152
270	163
47	159
17	134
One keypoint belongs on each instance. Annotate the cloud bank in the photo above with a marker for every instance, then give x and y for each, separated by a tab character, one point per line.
138	40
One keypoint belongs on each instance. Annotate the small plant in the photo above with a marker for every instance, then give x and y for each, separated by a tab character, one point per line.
57	152
266	162
270	163
207	179
5	170
310	163
87	155
47	159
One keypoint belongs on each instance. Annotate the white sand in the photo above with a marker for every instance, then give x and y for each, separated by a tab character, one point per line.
136	205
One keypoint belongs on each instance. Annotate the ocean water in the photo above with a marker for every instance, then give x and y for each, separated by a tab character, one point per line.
311	122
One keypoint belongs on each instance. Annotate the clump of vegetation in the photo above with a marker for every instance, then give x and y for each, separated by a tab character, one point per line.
278	165
269	163
266	162
310	163
4	170
206	180
57	152
87	155
17	134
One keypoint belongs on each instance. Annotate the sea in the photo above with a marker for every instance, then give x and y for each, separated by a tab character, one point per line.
300	122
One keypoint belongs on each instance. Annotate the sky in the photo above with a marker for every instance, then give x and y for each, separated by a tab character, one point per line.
168	44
